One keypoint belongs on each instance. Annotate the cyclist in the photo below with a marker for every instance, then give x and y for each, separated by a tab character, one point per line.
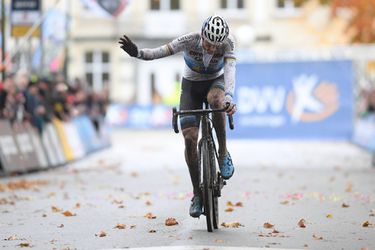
209	74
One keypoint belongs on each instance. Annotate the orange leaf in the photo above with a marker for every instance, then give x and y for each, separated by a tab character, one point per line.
317	237
229	209
56	209
302	223
68	214
268	225
171	222
349	187
78	205
120	226
24	244
231	225
345	205
150	216
366	224
239	204
229	204
101	234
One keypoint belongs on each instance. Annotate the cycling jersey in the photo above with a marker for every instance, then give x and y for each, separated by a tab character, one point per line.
199	65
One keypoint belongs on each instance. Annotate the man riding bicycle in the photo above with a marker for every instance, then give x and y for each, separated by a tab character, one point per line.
209	74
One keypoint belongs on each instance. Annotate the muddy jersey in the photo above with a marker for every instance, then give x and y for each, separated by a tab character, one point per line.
199	65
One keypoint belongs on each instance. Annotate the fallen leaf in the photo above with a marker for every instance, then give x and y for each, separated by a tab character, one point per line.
286	202
152	231
44	215
24	244
121	206
148	203
133	226
56	209
231	225
13	237
78	205
150	216
366	224
101	234
229	209
239	204
275	231
171	222
372	212
61	226
268	225
305	245
229	204
302	223
345	205
119	202
364	248
349	187
219	241
330	216
134	174
120	226
68	213
317	237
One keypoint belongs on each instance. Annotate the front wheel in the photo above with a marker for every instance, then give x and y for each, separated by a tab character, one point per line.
207	186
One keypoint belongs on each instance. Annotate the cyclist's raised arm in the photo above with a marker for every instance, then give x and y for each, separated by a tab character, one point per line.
229	74
177	45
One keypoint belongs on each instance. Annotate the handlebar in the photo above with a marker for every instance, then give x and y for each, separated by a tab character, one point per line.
197	112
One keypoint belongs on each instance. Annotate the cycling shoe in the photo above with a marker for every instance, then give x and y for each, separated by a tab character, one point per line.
227	168
195	207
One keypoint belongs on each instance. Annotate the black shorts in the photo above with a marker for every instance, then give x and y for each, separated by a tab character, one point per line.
193	95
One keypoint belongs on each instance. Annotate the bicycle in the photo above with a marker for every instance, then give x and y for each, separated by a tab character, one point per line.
211	181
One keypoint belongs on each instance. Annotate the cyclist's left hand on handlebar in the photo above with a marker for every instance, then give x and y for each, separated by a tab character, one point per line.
229	105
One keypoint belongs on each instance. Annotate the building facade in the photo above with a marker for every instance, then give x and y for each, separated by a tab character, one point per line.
259	26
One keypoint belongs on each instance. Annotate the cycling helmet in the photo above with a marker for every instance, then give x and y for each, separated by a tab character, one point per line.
215	29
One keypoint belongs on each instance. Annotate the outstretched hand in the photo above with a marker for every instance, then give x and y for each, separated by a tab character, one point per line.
128	46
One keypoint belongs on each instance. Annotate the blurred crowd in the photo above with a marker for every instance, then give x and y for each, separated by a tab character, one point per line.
25	97
368	101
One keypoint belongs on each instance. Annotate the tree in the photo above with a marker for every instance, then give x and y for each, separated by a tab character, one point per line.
362	20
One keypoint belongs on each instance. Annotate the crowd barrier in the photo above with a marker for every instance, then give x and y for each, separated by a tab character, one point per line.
22	149
364	132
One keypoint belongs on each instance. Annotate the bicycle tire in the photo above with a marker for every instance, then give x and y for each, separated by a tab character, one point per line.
207	186
214	183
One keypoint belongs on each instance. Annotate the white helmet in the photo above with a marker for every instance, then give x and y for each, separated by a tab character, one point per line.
215	29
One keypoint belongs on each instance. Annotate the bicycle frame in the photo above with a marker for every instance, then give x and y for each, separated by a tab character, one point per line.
211	182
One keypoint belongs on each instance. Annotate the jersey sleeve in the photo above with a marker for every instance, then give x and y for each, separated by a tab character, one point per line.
179	44
229	67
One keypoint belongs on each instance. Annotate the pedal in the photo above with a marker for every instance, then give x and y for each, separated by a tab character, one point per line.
224	183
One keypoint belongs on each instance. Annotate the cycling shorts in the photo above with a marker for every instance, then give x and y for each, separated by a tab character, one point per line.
193	95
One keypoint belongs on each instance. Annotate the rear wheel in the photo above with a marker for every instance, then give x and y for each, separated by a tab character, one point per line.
207	187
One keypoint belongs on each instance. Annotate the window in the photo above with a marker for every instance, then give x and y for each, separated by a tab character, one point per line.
232	4
290	3
175	4
97	69
164	4
155	4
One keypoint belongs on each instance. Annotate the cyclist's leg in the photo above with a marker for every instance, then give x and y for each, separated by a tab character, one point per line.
215	98
191	99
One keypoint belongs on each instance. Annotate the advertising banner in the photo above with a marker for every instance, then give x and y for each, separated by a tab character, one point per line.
24	13
294	100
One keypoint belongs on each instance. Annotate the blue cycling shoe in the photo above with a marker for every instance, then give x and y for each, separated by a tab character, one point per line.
195	207
227	168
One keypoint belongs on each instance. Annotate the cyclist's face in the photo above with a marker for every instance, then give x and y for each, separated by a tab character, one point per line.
209	47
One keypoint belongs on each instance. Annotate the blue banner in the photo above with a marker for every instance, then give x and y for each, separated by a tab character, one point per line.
294	100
